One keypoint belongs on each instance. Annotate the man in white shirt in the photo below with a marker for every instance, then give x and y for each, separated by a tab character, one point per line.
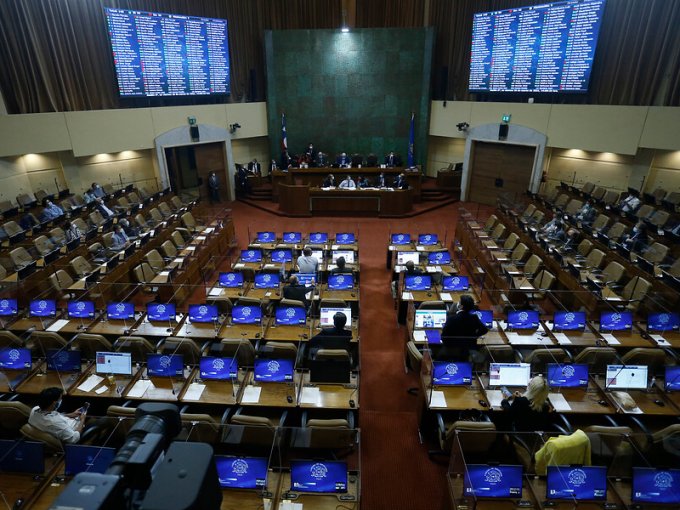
629	204
65	427
307	263
348	183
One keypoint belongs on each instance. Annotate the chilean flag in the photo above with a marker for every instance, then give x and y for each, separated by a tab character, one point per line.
284	137
411	141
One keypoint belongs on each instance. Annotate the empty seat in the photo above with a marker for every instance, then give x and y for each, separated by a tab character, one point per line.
573	207
600	223
644	212
616	231
611	197
155	261
561	201
81	267
156	215
141	223
41	341
656	253
169	250
138	346
12	228
20	257
80	223
594	260
177	239
190	223
490	223
184	346
58	236
26	200
498	232
659	218
635	291
60	281
613	273
239	347
583	248
533	264
597	358
89	344
43	245
165	209
598	193
587	188
143	273
652	357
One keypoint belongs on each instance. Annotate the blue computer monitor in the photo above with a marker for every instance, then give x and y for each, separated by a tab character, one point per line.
437	258
246	314
84	458
231	280
418	282
292	237
455	283
428	239
80	309
663	321
306	279
569	321
290	315
400	239
267	280
203	313
345	238
318	476
165	365
22	457
42	308
241	472
274	370
15	358
63	360
485	481
160	312
582	483
450	373
568	376
282	256
266	237
616	321
433	336
523	319
651	485
486	316
672	378
340	281
251	256
120	311
8	307
218	369
318	237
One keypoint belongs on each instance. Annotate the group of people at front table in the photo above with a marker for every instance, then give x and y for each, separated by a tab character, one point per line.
381	181
317	159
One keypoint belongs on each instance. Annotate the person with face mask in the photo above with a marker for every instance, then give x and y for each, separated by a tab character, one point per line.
460	332
45	416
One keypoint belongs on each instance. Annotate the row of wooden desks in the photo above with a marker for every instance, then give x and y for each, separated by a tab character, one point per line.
248	289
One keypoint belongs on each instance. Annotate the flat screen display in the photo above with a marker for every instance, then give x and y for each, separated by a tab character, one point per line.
348	255
625	377
582	483
246	314
567	376
509	374
616	321
274	370
231	280
266	237
83	458
80	309
438	258
672	378
292	237
307	279
428	239
203	313
116	363
120	311
569	321
22	457
157	55
318	254
486	316
326	316
15	358
545	48
430	318
318	237
418	282
663	321
251	256
218	369
340	282
399	239
42	308
282	256
484	481
290	315
652	485
160	311
523	319
455	283
267	280
8	307
241	472
404	256
448	373
345	238
165	365
318	476
63	360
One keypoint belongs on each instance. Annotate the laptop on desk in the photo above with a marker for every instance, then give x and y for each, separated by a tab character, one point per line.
340	282
267	280
672	379
165	365
120	311
249	473
405	256
491	481
322	371
80	310
663	321
400	239
274	370
567	375
450	373
86	458
17	238
63	360
292	237
22	457
203	313
348	255
429	319
290	316
246	314
428	239
281	256
73	244
160	312
576	483
318	477
569	321
15	358
345	238
231	280
26	271
455	283
509	374
8	307
656	486
486	316
523	320
218	369
616	321
626	377
251	256
51	256
113	363
439	258
318	237
418	282
42	308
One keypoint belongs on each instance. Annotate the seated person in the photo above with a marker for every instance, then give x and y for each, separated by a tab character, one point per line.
586	214
400	182
254	167
410	269
558	235
340	267
310	153
637	239
348	183
572	238
307	263
362	182
71	231
103	209
27	221
97	190
65	427
336	337
392	160
129	230
371	160
89	196
294	290
529	412
343	159
119	240
285	160
329	181
550	227
321	159
460	332
381	182
629	204
51	211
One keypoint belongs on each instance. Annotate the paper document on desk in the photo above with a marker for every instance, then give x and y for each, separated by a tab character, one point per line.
57	325
270	266
517	339
310	395
437	399
445	296
419	336
89	384
610	339
562	339
215	292
139	389
194	391
287	505
190	248
433	269
559	402
209	230
420	248
660	340
406	296
494	397
240	265
251	395
101	389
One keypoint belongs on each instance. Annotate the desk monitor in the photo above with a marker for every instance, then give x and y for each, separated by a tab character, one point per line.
318	254
251	256
327	313
22	457
15	358
486	316
84	458
404	256
433	336
266	237
160	312
306	279
672	379
663	322
569	321
51	256
428	239
165	365
449	373
120	311
115	363
399	239
430	318
438	258
418	282
73	244
626	377
274	370
523	319
282	256
568	376
455	283
340	282
63	360
290	315
345	238
129	251
80	309
246	314
347	254
218	369
329	371
241	472
485	481
651	485
292	237
616	321
509	374
318	476
231	280
581	483
42	308
318	237
203	313
267	280
8	307
27	270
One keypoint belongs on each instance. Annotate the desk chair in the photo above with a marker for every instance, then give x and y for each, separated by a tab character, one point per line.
291	302
250	301
254	427
20	257
616	231
141	223
609	447
634	292
165	210
598	193
133	198
331	430
653	444
155	261
531	267
144	274
58	236
189	349
658	219
169	250
490	223
13	416
52	444
550	196
12	228
561	201
600	223
156	216
597	358
583	249
89	344
573	207
414	358
138	346
39	342
432	305
528	212
108	189
594	260
81	267
9	339
332	303
543	282
510	242
611	197
274	349
190	223
644	212
60	281
96	218
536	218
3	274
178	239
497	353
82	226
654	357
242	348
539	358
671	201
517	255
656	253
201	428
26	200
498	232
587	189
43	245
77	201
333	355
476	441
612	274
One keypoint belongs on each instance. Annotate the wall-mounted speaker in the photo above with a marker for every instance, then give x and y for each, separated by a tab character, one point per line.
193	132
503	131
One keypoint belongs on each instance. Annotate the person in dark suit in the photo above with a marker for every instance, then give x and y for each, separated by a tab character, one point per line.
285	160
381	182
410	269
400	182
461	330
103	209
392	159
214	188
310	152
340	267
362	182
296	291
336	337
321	159
329	181
371	160
637	239
529	412
254	167
343	159
273	166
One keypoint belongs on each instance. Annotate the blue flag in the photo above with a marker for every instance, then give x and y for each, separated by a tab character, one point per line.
284	136
411	141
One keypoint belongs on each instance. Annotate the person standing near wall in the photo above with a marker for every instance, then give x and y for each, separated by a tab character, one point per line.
214	188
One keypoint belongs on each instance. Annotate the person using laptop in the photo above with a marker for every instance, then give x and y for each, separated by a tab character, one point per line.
336	337
71	231
329	181
586	214
340	267
461	331
51	211
45	417
550	226
637	239
307	263
410	269
103	209
296	291
529	412
119	240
